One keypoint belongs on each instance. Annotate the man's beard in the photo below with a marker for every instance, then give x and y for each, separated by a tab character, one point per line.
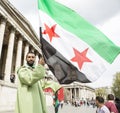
30	63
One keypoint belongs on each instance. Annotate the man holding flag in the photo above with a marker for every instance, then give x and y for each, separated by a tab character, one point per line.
30	96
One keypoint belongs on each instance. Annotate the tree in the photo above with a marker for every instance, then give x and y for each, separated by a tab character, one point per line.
116	85
101	92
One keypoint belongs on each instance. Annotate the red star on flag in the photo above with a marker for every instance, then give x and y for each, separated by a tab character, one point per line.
51	32
80	58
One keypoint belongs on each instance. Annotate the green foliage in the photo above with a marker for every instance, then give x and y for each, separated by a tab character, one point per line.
101	92
116	85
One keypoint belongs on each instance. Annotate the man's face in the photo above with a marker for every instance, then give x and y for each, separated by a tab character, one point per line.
30	58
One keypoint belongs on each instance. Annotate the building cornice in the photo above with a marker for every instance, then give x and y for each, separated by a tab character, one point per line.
19	22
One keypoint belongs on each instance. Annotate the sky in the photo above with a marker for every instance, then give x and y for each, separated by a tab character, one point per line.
104	14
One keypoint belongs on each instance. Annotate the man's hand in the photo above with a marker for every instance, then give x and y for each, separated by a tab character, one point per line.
41	61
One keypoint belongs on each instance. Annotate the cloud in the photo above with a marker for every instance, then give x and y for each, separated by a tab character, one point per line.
25	6
95	11
111	28
29	9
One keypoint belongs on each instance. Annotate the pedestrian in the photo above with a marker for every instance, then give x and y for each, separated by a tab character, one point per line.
56	102
101	108
30	97
117	103
61	103
56	87
12	78
111	104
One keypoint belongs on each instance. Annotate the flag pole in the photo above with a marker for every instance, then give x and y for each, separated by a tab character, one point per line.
40	31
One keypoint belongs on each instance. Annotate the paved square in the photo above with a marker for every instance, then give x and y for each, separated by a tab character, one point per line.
73	109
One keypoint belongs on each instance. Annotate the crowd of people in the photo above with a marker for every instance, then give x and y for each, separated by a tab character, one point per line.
108	105
112	105
78	103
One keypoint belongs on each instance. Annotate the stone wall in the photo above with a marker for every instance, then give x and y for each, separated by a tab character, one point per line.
7	96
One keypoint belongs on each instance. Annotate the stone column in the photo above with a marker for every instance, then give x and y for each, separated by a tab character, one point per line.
2	31
75	92
26	50
71	93
19	53
9	54
80	93
85	93
18	57
37	59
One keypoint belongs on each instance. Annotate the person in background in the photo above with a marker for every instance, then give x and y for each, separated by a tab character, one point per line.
56	102
101	108
56	87
117	103
111	104
61	103
12	78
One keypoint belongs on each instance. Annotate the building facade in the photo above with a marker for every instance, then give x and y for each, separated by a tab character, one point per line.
17	37
78	91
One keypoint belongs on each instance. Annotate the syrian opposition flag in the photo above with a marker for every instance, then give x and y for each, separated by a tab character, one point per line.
73	48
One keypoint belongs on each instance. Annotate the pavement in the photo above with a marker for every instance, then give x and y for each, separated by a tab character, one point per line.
68	108
72	109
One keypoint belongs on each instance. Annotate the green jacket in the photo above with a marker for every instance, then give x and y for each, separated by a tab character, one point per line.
30	97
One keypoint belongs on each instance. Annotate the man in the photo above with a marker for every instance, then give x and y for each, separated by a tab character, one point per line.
117	103
30	97
56	87
111	104
101	108
12	78
56	102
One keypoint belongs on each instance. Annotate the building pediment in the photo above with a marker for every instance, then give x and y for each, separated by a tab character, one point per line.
18	20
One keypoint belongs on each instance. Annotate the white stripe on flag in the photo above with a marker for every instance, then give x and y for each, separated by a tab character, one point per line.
67	42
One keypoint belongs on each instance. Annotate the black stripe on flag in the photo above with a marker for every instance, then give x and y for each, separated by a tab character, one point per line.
63	70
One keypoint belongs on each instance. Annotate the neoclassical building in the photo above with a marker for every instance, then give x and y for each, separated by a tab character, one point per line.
79	91
17	37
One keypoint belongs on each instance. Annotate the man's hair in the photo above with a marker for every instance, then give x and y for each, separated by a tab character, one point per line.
100	99
30	52
110	97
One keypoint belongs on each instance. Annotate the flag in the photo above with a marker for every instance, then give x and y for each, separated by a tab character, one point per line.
53	85
63	70
61	94
74	49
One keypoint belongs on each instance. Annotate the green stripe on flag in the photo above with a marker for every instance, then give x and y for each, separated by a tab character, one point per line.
75	24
